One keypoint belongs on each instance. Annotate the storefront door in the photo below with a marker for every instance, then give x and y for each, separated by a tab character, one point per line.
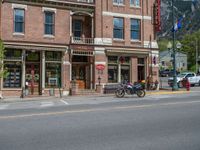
32	81
32	78
80	74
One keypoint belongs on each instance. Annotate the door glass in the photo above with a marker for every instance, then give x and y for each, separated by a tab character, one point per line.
32	78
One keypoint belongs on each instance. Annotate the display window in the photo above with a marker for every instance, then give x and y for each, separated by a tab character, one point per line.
13	54
53	56
13	78
53	75
112	73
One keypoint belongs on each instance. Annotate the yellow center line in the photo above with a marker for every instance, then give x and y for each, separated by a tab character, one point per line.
94	110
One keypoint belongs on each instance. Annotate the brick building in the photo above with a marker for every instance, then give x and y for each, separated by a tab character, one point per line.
53	42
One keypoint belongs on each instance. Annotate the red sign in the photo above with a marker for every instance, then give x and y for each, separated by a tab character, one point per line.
157	17
100	67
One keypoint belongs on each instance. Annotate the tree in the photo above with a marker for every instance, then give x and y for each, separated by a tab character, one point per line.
189	46
2	51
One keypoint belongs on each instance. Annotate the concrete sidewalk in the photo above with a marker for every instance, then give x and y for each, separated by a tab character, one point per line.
82	97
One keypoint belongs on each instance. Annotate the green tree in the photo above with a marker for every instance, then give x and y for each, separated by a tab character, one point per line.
162	44
190	42
2	51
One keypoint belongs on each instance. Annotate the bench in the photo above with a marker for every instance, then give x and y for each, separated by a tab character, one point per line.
110	88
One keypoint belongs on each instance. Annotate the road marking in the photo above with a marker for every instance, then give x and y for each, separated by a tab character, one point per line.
95	110
46	104
66	103
3	106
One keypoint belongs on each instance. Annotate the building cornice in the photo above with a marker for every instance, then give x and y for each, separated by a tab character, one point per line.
114	14
75	6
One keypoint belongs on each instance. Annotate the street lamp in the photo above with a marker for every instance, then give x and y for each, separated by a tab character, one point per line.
175	86
169	47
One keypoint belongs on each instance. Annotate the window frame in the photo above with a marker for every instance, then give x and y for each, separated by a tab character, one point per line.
49	24
135	30
133	3
81	27
118	29
14	21
118	2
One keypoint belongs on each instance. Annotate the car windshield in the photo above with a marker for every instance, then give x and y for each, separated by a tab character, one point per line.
182	75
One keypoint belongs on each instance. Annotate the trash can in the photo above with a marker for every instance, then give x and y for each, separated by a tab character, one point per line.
51	92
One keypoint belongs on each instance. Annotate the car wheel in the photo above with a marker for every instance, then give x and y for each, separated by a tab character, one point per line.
199	82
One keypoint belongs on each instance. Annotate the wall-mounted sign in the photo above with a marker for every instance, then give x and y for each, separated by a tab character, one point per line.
100	67
156	15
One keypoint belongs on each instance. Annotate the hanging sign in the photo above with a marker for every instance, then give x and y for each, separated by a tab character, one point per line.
100	67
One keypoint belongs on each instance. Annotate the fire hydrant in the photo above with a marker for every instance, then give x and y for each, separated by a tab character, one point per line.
187	85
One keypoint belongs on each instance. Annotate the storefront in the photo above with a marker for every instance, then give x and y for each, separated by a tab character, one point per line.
32	72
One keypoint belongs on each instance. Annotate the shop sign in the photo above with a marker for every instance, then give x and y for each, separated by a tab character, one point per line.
157	15
100	67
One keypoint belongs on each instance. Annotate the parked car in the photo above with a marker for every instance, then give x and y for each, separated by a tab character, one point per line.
167	73
191	76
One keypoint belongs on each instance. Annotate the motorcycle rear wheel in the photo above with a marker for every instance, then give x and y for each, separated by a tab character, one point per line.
120	93
141	93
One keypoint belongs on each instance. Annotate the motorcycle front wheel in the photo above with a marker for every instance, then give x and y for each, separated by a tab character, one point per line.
141	93
120	93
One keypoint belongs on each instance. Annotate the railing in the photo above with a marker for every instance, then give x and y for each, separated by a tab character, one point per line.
78	40
91	41
82	1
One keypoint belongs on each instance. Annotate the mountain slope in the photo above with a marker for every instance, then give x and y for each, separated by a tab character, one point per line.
188	9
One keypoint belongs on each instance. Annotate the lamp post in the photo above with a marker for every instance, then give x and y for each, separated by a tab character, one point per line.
175	86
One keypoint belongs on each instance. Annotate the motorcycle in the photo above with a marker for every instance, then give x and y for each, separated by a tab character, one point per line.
130	89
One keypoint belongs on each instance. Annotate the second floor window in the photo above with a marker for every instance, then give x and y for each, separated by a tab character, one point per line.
118	30
77	28
135	3
49	23
19	20
121	2
135	29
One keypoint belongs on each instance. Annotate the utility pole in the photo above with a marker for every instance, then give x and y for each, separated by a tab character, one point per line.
197	55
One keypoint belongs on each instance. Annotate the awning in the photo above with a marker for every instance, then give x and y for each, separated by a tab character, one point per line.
127	52
36	47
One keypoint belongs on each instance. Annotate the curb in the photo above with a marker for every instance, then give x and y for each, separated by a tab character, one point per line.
168	92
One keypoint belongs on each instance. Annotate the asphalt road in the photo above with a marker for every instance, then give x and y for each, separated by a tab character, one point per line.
167	122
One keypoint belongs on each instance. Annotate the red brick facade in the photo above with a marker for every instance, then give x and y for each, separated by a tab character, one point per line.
80	55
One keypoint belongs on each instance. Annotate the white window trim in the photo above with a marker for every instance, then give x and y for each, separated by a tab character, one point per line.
49	36
19	6
18	34
49	9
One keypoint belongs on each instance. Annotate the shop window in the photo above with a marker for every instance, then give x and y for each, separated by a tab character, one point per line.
53	56
53	75
13	54
32	56
112	59
13	79
112	73
141	61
